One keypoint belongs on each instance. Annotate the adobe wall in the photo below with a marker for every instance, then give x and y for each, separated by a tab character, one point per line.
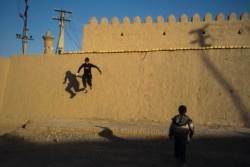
4	69
213	83
135	35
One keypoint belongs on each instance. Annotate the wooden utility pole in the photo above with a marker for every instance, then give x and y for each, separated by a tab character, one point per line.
62	19
24	36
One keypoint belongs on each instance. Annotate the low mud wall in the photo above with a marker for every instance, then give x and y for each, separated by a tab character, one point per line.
4	69
213	84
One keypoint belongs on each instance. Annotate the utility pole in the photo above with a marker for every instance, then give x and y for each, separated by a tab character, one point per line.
24	36
62	19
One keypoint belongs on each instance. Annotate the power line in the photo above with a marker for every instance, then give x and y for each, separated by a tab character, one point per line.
73	29
77	44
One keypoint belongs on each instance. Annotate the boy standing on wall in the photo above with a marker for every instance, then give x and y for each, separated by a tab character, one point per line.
87	76
181	128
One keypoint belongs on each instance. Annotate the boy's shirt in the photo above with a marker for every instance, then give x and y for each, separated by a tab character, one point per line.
181	127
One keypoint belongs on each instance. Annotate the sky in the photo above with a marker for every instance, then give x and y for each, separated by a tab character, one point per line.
40	15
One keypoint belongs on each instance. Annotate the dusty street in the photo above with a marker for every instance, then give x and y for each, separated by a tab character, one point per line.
133	144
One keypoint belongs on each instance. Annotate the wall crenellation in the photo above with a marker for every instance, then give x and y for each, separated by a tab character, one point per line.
138	34
171	19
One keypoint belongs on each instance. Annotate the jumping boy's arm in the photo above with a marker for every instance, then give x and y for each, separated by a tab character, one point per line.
96	68
79	69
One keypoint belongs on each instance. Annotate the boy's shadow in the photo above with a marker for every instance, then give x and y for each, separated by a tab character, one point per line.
107	133
72	84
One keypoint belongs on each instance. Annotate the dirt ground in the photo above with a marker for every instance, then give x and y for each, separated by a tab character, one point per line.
97	143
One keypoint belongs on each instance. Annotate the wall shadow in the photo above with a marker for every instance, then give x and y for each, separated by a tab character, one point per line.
201	35
73	85
220	78
118	152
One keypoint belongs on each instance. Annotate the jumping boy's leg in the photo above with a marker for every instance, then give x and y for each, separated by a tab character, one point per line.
84	81
89	81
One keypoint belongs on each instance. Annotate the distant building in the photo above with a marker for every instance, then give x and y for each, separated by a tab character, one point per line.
48	43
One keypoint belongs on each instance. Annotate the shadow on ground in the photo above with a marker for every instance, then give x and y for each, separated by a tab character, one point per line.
113	151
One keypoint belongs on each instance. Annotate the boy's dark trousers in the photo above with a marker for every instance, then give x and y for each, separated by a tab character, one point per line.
87	79
180	149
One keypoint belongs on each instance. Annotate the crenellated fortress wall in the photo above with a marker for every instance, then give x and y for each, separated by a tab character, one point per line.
136	35
149	69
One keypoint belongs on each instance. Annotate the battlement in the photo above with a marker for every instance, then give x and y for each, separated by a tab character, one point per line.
170	33
171	19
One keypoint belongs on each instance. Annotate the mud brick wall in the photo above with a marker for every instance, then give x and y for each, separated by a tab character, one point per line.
212	83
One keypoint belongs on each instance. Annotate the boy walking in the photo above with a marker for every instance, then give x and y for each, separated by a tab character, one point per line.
181	128
87	76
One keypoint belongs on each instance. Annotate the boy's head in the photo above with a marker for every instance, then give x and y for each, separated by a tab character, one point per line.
182	109
86	60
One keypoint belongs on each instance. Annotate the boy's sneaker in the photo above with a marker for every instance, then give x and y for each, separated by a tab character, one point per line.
84	90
